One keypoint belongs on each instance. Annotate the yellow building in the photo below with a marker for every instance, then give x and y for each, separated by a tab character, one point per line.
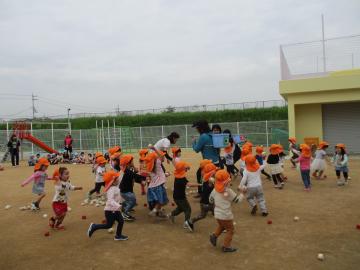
325	107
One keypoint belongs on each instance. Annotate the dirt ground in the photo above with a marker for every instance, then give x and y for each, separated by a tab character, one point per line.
328	218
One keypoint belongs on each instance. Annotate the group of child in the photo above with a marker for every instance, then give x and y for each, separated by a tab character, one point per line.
216	194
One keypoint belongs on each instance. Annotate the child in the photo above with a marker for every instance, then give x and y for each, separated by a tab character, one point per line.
208	171
90	158
222	196
246	150
282	156
176	151
62	187
260	158
142	168
115	162
341	164
156	194
112	207
318	166
251	183
179	195
275	168
305	160
114	152
99	181
32	161
39	177
229	156
294	150
95	165
127	185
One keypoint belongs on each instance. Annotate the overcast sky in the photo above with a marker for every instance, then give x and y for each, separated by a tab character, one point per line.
140	54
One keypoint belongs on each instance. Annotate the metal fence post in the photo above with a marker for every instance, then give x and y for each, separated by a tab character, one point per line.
162	131
141	138
31	132
103	136
7	130
52	136
81	148
97	136
186	137
267	133
237	128
109	133
114	132
120	133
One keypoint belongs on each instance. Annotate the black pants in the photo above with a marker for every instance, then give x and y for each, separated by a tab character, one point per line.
276	178
198	180
182	206
111	217
338	173
97	188
204	209
232	169
266	174
14	157
68	150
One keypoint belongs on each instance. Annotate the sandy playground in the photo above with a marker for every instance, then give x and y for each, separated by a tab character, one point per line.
328	217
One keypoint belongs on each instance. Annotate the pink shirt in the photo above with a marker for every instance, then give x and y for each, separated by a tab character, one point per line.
35	177
68	141
158	176
113	199
304	163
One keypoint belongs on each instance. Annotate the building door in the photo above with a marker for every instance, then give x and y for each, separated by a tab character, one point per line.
341	124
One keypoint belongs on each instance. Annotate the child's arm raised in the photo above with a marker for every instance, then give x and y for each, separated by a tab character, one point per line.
30	179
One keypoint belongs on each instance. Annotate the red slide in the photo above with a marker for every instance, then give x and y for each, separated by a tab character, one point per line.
39	143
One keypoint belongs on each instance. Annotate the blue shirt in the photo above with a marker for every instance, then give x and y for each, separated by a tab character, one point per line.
260	159
206	147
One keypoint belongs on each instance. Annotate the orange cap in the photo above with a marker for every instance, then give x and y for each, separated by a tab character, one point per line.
245	151
209	171
126	160
101	160
117	155
259	149
222	178
204	162
305	150
143	153
41	162
181	168
98	154
114	149
150	161
252	165
175	150
275	149
341	145
323	144
292	140
109	178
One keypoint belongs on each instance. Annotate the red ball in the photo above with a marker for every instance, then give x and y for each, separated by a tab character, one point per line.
103	221
145	204
269	222
46	234
358	226
83	217
172	204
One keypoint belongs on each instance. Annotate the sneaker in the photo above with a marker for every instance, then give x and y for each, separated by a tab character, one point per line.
229	249
161	214
171	218
213	239
264	214
33	207
153	213
127	217
253	210
37	205
121	238
90	230
189	226
60	227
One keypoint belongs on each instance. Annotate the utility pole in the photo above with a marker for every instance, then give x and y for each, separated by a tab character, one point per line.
323	42
68	114
33	99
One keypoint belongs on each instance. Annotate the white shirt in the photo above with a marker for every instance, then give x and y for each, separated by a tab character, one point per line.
163	144
61	191
252	179
99	171
320	154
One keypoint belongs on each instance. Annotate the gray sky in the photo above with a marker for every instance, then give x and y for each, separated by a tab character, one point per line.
144	54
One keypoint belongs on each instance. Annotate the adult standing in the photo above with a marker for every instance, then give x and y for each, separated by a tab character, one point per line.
204	145
165	143
68	144
14	145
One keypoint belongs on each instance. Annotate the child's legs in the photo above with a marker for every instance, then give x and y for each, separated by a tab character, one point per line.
219	228
59	219
97	188
179	209
278	177
261	199
130	201
305	174
251	196
274	177
204	209
41	196
110	219
320	173
228	225
118	217
265	173
187	210
338	174
346	175
198	179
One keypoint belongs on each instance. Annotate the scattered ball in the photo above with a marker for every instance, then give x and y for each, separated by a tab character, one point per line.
111	230
45	215
47	234
321	257
296	219
7	206
269	222
358	226
234	223
349	178
83	217
86	201
97	205
22	208
150	145
82	204
69	209
145	204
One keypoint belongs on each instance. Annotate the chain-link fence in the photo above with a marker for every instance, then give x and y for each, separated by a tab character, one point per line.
133	138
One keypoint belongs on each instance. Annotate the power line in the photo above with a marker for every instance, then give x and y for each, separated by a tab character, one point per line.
33	99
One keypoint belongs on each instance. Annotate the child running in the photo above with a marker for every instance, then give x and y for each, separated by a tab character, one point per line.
38	177
142	168
273	160
222	197
179	195
260	158
305	160
62	187
127	185
208	172
99	181
340	161
176	151
318	166
251	184
112	207
294	150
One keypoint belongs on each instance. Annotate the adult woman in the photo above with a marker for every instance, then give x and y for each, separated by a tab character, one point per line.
204	145
164	144
14	145
68	144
